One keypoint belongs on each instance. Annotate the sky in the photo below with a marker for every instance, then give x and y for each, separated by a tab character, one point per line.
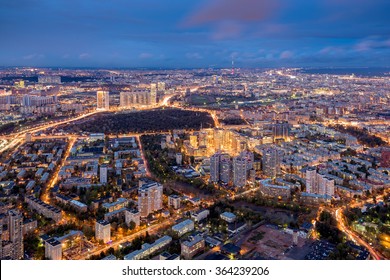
192	34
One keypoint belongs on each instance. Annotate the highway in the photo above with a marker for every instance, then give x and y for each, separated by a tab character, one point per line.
19	137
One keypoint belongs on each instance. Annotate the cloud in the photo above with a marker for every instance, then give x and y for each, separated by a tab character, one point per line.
286	55
370	44
232	10
194	55
145	55
227	30
331	50
84	56
33	56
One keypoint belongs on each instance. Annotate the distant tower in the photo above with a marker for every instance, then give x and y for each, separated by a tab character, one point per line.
153	94
103	174
232	65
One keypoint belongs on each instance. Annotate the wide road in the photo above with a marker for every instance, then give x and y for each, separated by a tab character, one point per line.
353	236
18	137
151	230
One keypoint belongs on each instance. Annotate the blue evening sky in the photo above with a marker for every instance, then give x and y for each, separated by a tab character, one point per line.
189	33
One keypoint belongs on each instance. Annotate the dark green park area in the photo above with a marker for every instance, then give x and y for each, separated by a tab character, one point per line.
143	121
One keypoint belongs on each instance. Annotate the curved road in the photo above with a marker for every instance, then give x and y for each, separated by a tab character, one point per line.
355	237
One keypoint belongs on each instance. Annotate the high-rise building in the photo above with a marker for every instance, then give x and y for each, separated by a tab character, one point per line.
225	170
102	100
218	139
5	102
271	163
124	99
103	174
136	97
161	87
153	94
1	239
214	167
280	130
53	249
220	168
311	181
149	198
103	231
240	173
325	185
15	224
319	184
26	100
250	158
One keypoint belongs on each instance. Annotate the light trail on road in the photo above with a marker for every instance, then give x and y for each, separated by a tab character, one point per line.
353	236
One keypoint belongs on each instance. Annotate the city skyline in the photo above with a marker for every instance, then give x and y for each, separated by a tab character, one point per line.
195	130
193	164
195	35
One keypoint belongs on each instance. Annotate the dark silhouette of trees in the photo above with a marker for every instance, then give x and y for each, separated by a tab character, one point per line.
144	121
362	135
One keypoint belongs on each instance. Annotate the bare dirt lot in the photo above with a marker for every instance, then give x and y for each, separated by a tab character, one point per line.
269	242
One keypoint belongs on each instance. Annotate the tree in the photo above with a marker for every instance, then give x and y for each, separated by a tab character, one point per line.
132	225
147	238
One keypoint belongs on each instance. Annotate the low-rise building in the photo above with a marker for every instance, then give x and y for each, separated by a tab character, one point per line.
53	249
191	247
79	206
109	258
149	249
236	227
183	227
29	226
165	256
228	217
314	199
174	201
200	215
267	188
42	208
120	203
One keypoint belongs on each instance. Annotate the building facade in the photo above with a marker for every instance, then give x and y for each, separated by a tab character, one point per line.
102	100
103	231
149	198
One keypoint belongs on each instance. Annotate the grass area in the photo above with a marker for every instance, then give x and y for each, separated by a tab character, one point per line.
200	99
